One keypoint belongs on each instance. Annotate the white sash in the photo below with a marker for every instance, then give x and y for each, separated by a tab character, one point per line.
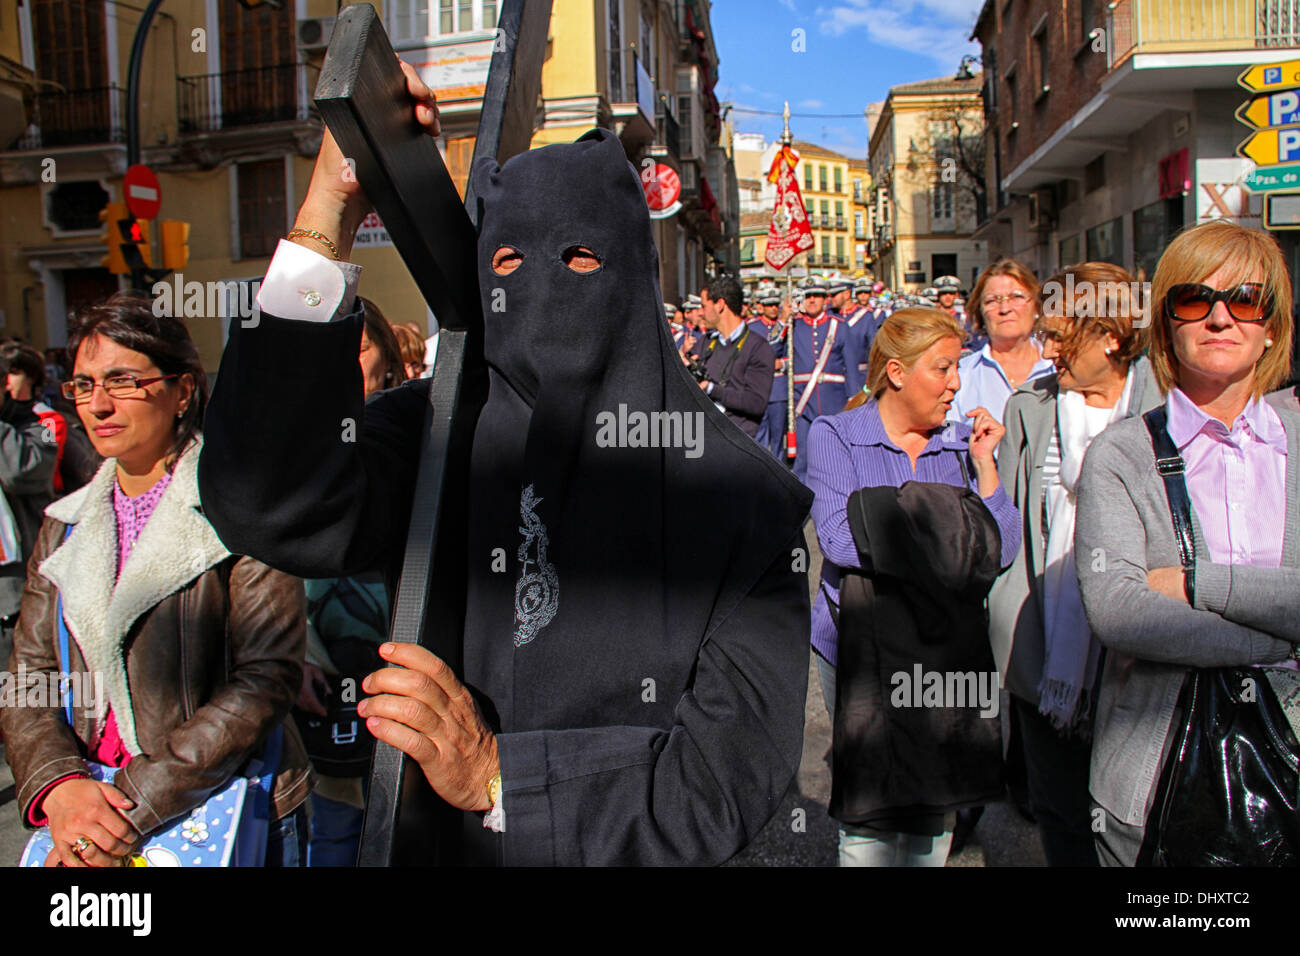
822	359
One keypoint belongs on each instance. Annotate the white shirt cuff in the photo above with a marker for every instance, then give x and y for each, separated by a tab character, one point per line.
305	285
495	819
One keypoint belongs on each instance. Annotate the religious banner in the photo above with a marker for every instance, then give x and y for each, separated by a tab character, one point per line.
790	232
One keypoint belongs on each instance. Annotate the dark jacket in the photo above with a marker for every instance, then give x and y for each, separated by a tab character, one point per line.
932	551
741	373
28	453
212	661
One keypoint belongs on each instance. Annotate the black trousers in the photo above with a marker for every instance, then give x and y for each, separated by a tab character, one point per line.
1057	768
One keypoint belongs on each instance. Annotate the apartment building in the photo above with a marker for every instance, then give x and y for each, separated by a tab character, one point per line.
1111	125
925	158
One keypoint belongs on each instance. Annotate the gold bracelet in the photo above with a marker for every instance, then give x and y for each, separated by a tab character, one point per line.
320	237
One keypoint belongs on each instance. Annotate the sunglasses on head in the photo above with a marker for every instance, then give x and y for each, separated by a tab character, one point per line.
1191	302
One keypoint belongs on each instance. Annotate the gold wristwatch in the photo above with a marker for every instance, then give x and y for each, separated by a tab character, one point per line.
494	789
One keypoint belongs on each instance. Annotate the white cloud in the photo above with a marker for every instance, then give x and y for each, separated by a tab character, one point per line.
789	5
937	28
811	104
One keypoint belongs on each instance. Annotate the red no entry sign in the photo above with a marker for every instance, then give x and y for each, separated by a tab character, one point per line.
662	186
143	195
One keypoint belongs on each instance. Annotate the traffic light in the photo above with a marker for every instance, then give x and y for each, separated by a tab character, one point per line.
175	244
110	215
135	243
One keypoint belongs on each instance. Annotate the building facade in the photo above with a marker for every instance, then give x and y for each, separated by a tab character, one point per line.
925	161
227	124
1111	125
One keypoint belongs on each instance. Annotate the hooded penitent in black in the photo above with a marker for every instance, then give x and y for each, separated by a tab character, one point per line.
643	649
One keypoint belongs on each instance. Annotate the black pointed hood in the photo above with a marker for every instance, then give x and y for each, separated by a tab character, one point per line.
618	560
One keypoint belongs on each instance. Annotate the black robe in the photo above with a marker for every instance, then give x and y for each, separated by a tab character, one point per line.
645	670
930	554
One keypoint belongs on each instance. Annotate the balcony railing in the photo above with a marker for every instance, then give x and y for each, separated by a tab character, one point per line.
75	118
1163	26
839	222
270	94
669	131
826	221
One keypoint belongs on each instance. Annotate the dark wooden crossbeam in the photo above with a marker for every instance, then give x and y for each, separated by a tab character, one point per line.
362	97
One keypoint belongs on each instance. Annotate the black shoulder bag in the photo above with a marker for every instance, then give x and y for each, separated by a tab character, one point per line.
1228	789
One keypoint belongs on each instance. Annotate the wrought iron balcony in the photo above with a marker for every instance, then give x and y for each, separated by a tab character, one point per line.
670	133
270	94
75	118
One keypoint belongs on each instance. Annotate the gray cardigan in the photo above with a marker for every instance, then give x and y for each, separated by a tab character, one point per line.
1243	614
1016	600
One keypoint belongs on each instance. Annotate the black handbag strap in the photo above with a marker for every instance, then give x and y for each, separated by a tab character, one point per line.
1171	467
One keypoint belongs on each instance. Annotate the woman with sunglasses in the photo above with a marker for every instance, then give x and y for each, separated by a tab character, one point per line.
1220	338
198	651
1004	308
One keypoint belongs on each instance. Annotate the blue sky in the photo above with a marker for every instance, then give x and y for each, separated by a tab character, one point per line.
855	50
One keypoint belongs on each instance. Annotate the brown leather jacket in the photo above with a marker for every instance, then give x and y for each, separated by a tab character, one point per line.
213	643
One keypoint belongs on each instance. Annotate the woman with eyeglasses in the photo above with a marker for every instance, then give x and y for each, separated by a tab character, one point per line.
198	651
1004	306
1092	329
1220	338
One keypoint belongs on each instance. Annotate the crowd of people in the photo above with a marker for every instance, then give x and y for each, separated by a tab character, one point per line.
1084	505
1005	400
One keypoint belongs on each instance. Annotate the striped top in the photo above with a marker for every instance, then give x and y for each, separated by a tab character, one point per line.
851	451
1051	471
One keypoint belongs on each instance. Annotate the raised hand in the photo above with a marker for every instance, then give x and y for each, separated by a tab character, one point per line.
335	204
984	437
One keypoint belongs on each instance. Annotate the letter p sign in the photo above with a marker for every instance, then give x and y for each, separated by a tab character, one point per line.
1273	75
1288	145
1282	107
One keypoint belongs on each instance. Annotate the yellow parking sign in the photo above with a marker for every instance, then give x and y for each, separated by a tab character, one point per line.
1268	147
1270	77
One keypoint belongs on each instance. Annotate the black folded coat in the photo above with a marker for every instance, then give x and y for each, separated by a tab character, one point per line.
916	616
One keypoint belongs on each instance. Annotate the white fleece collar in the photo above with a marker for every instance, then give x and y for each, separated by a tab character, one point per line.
175	547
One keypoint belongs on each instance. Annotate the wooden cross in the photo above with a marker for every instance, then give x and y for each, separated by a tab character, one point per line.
362	98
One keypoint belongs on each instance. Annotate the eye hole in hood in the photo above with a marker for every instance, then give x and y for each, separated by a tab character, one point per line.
581	259
506	260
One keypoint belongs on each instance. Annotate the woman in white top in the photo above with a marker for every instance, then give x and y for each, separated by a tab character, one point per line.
1005	305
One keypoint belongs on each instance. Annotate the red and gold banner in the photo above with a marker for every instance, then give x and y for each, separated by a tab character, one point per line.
790	232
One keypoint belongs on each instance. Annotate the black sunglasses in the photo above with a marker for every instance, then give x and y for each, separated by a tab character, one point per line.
1191	302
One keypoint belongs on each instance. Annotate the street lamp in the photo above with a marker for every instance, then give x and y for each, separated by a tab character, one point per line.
963	70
